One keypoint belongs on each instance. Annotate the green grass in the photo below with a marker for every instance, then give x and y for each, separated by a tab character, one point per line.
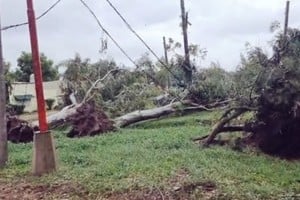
150	155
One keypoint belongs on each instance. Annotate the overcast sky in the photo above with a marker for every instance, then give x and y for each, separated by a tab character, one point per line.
222	27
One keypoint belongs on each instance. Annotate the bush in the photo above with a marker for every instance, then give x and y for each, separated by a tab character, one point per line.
15	109
211	84
50	103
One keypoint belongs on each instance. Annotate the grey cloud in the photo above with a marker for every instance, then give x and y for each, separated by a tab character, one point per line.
221	26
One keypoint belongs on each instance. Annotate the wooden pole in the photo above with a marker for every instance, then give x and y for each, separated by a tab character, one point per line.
187	63
3	130
166	61
44	152
165	51
286	20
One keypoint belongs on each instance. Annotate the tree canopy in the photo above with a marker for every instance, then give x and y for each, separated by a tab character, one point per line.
25	68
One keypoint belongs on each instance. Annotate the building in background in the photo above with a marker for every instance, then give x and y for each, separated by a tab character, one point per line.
23	93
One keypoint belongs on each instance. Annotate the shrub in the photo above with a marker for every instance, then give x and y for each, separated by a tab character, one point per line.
50	103
15	109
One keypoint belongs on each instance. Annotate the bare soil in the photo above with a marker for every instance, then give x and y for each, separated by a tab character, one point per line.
28	191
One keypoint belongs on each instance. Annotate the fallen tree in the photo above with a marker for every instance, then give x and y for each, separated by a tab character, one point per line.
275	127
88	119
86	110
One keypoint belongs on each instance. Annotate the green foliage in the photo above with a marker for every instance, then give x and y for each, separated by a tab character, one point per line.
121	92
274	81
176	61
134	97
272	86
247	78
153	155
49	103
81	74
25	68
211	84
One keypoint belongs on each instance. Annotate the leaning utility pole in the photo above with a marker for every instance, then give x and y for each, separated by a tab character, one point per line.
3	130
187	63
43	150
286	20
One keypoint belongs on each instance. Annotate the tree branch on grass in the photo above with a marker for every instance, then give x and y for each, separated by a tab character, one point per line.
219	126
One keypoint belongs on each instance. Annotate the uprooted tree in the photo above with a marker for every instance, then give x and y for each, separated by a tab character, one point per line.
101	97
272	94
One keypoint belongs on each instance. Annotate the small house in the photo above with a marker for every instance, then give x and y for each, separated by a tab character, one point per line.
23	93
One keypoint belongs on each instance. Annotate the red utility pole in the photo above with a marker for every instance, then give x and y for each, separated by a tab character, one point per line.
37	68
44	152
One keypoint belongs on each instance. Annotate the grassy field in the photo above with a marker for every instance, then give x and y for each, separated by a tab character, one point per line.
158	159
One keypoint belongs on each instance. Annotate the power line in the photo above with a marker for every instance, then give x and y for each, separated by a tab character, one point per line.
107	33
142	40
114	41
122	50
39	17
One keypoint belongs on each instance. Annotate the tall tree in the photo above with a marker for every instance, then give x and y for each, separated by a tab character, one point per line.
50	73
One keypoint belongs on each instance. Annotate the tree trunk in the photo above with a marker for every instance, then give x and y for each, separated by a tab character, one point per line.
142	115
60	117
130	118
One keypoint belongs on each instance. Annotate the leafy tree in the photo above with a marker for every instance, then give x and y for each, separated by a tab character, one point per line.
25	69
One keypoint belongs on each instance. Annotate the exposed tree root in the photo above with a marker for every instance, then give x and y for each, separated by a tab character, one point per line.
19	131
89	121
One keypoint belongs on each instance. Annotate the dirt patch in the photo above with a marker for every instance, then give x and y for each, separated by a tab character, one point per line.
27	191
179	189
199	190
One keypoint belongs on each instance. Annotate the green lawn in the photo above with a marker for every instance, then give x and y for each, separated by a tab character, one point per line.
157	154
